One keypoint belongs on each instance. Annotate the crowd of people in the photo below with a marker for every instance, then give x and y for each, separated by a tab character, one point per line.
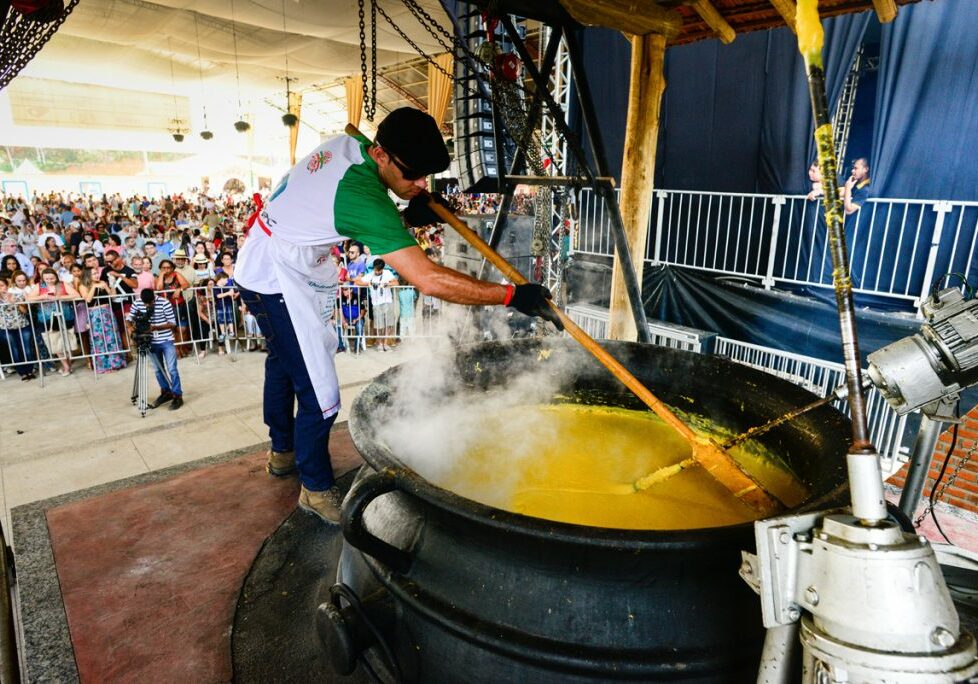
487	203
73	265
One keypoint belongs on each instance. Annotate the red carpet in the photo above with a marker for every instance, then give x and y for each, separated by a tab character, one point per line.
150	575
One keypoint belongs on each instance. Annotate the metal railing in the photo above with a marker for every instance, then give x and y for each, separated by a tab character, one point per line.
59	335
594	321
897	247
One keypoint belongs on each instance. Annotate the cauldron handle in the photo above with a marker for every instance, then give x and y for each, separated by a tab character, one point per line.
356	534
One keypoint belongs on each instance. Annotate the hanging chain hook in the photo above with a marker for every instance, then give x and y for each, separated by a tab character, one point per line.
369	98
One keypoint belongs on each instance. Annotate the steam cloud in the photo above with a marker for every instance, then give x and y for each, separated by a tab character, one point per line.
434	421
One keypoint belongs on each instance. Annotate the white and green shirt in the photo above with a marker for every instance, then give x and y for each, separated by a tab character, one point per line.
333	194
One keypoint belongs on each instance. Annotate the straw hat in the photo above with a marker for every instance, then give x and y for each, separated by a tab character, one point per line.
201	259
179	254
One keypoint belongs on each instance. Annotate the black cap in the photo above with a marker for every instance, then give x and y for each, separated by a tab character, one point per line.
413	137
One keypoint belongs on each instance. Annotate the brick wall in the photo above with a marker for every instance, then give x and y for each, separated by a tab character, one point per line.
964	492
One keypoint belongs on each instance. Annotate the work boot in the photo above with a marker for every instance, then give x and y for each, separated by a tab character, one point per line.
176	403
325	504
280	463
162	399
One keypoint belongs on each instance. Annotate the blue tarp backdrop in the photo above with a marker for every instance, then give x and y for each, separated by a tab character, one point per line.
926	122
736	117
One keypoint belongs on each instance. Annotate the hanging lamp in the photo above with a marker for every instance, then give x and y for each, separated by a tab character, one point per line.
289	119
177	128
205	134
240	125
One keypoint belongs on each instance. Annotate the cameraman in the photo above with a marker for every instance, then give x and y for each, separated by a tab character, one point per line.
162	322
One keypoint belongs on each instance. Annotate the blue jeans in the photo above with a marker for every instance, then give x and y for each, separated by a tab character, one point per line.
304	431
20	342
164	355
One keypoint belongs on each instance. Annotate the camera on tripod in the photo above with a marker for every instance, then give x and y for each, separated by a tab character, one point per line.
142	330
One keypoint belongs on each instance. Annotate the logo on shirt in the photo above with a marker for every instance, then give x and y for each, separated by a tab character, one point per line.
318	161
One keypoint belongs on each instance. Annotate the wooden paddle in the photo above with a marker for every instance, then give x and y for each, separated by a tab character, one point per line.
705	451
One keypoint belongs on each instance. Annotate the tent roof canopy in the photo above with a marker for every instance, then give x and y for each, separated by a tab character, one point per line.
229	52
743	16
222	51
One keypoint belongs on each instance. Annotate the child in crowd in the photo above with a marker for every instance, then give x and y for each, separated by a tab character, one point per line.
351	314
224	297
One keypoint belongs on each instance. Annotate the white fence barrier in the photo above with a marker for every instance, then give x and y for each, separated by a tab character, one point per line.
594	321
897	247
60	335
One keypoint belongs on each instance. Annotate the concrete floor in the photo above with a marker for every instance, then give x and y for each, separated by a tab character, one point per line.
82	430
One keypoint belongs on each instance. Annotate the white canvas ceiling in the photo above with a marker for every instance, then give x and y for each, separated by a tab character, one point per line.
130	43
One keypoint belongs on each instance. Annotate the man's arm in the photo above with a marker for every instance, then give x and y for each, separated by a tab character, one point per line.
435	280
848	205
130	282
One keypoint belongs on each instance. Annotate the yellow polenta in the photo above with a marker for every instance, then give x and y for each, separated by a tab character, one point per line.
577	464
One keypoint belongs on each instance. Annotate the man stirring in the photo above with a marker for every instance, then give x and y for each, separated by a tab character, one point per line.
288	280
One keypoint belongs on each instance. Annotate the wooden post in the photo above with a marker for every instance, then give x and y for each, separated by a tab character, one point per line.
709	14
638	169
787	9
886	10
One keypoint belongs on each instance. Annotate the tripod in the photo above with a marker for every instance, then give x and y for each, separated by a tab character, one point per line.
140	381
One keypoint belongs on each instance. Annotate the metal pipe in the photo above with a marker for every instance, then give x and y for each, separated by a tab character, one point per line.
779	656
920	458
555	180
865	475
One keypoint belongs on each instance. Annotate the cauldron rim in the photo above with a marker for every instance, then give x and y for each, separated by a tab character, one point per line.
382	459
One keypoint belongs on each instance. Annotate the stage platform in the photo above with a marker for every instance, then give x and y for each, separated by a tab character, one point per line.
140	579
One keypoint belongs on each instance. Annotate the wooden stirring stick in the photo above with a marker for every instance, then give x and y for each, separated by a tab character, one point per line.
705	452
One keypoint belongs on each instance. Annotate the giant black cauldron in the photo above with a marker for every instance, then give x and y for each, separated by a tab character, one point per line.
456	591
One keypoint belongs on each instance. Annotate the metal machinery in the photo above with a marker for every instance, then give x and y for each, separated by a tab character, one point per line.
534	118
929	371
867	597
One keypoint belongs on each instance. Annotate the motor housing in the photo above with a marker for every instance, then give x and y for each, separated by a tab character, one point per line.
928	369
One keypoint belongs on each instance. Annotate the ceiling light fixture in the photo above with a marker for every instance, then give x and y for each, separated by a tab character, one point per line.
205	134
240	125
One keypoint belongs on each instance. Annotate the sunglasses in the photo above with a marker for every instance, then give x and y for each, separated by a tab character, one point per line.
409	174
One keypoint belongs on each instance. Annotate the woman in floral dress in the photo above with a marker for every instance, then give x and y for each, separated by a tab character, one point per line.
103	331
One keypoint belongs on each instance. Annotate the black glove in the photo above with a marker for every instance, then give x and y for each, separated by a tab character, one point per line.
418	213
533	299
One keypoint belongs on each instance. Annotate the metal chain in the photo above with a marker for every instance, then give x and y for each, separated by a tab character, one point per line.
21	40
444	40
506	95
947	483
510	99
373	60
369	99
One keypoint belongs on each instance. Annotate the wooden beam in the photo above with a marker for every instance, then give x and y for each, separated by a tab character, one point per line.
632	17
714	20
787	9
647	83
886	10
